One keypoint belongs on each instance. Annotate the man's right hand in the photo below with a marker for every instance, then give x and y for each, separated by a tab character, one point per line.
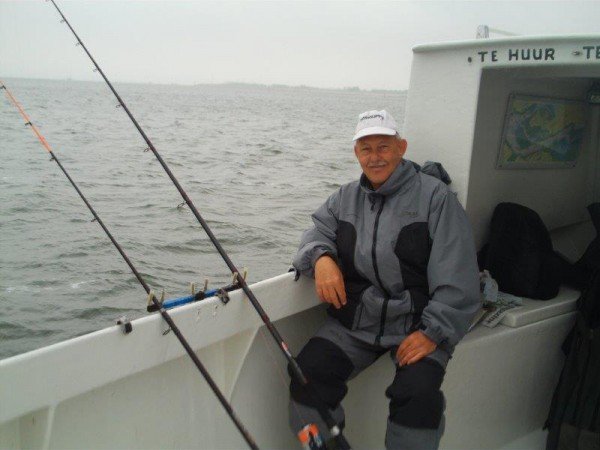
329	282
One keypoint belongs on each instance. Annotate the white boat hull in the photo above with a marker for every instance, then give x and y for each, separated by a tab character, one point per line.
108	390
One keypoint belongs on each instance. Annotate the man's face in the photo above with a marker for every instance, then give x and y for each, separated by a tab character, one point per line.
379	155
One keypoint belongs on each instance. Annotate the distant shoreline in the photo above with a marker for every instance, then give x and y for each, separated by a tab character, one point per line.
224	84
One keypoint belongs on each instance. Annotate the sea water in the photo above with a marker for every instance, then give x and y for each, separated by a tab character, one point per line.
255	160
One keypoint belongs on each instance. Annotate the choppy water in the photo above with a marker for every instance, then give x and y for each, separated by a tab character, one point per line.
255	160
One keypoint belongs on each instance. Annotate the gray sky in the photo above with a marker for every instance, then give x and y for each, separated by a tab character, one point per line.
323	44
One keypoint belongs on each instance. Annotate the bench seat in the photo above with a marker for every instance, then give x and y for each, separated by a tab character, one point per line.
535	310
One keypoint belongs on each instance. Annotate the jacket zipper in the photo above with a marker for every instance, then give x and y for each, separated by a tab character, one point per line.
360	308
376	269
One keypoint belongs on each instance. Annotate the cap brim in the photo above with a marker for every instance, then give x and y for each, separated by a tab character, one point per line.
373	131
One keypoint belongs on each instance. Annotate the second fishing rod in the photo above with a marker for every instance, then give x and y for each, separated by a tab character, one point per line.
295	369
152	298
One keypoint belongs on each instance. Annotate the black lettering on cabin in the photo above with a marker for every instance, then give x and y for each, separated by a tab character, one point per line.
528	54
525	54
589	51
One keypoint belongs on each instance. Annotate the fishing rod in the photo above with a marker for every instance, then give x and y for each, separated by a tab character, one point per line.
295	369
245	434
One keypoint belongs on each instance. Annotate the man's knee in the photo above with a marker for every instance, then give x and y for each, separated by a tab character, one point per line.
327	368
415	397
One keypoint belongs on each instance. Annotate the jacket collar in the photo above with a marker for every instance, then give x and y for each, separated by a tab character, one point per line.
401	177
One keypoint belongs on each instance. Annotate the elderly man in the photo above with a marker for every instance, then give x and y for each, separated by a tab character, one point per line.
393	255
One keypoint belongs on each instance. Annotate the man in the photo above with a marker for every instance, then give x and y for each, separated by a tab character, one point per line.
393	255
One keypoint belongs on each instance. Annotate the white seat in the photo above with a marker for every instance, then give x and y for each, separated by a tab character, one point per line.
535	310
571	241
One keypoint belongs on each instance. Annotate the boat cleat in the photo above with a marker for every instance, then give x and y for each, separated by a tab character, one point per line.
125	324
223	296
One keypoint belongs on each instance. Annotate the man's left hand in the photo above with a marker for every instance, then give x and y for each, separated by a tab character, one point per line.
414	347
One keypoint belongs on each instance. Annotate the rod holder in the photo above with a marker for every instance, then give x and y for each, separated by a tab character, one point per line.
150	296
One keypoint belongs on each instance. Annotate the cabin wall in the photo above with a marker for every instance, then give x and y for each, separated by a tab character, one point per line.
560	196
440	114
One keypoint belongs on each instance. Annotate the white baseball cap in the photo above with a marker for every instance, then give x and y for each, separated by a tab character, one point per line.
375	122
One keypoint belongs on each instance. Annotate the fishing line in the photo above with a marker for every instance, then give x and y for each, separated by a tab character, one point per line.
323	409
246	435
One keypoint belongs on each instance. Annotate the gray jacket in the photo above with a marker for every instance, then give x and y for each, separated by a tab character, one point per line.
407	254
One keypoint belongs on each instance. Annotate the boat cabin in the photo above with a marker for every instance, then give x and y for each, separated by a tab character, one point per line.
460	102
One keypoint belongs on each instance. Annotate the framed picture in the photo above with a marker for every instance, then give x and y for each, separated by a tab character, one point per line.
541	133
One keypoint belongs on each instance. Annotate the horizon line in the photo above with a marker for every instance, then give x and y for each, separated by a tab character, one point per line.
223	83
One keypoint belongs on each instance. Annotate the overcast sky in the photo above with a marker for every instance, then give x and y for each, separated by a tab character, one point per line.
323	44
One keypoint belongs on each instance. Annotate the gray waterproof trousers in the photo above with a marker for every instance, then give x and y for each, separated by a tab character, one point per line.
336	354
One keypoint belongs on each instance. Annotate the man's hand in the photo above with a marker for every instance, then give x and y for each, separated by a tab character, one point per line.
329	282
414	347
